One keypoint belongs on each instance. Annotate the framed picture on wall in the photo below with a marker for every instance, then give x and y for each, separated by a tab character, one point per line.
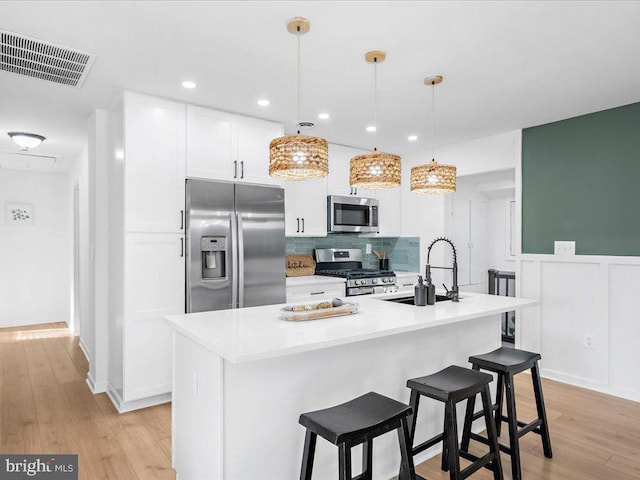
19	214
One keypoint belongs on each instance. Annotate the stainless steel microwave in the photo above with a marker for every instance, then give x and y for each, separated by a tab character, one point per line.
352	214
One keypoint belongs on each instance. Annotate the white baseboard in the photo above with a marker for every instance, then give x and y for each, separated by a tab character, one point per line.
589	384
96	387
124	407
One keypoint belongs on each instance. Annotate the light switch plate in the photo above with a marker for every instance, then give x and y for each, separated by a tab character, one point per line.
564	248
368	248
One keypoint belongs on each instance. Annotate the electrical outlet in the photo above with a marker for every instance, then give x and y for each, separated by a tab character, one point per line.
588	340
564	248
368	248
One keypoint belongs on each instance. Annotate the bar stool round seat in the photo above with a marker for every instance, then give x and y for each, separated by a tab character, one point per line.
450	386
507	362
356	422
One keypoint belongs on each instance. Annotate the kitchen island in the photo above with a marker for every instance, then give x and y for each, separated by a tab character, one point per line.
242	377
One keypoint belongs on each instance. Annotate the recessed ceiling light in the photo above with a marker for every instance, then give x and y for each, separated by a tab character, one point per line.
263	102
412	138
371	128
323	116
189	84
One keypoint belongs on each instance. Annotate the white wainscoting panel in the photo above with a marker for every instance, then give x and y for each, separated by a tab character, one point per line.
587	327
624	289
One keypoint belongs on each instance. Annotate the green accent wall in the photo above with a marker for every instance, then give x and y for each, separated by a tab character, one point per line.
581	181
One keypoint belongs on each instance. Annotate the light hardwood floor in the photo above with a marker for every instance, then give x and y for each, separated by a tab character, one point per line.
47	408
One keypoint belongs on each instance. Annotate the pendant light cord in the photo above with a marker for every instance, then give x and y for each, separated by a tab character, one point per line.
375	103
298	124
433	121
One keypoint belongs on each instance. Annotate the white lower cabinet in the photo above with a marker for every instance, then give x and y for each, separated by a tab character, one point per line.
316	292
154	287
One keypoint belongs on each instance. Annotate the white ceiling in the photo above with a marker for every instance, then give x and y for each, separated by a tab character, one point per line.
506	65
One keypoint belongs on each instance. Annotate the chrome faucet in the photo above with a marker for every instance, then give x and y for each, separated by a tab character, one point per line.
454	293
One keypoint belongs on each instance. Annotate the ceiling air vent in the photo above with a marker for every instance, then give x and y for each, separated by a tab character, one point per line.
43	60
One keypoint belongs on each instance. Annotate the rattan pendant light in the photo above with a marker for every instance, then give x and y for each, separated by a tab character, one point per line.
298	157
433	177
375	169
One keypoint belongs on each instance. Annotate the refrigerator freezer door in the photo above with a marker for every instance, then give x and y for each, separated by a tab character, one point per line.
210	221
261	244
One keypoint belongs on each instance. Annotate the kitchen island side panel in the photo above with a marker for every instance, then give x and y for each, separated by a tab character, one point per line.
197	411
263	400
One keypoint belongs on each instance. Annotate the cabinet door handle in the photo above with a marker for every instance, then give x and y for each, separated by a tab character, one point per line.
298	230
316	293
181	247
181	219
355	190
242	169
235	169
302	225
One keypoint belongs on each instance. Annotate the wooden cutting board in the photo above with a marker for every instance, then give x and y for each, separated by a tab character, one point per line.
300	265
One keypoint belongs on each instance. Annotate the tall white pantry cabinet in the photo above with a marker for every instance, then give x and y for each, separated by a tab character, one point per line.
146	138
153	146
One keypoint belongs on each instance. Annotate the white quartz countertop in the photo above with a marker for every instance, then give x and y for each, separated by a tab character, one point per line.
255	333
313	280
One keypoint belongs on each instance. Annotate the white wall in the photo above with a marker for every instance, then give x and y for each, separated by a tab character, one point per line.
35	261
489	154
79	175
428	216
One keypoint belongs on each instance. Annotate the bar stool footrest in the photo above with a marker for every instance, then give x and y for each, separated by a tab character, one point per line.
427	444
484	461
529	427
473	458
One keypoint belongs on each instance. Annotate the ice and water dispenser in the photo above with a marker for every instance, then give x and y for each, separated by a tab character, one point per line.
214	257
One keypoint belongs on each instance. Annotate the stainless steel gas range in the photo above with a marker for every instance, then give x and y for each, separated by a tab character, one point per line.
347	263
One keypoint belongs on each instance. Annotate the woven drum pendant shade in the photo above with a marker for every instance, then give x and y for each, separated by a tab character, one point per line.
375	170
298	157
433	178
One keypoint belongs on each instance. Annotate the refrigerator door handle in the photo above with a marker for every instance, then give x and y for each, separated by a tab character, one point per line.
234	263
240	261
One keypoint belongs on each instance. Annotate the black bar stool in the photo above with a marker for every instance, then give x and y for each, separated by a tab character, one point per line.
450	386
507	362
356	422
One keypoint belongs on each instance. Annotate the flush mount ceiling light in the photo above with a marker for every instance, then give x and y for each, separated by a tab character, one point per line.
26	141
324	116
189	84
375	169
298	157
433	177
263	102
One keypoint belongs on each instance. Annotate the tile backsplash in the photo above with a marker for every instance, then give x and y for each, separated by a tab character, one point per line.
403	252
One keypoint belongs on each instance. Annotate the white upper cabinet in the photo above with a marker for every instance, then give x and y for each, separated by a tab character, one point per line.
154	164
388	212
224	146
306	208
338	181
254	137
211	144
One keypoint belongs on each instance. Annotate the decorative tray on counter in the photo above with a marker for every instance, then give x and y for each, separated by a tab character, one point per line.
313	311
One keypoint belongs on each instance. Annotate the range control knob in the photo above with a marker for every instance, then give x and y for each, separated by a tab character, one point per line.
375	280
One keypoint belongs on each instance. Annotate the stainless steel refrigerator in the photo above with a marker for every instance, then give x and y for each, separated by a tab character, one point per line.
235	245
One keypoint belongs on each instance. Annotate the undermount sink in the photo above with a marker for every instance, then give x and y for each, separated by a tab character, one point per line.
411	301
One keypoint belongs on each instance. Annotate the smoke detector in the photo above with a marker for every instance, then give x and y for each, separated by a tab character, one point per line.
44	60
